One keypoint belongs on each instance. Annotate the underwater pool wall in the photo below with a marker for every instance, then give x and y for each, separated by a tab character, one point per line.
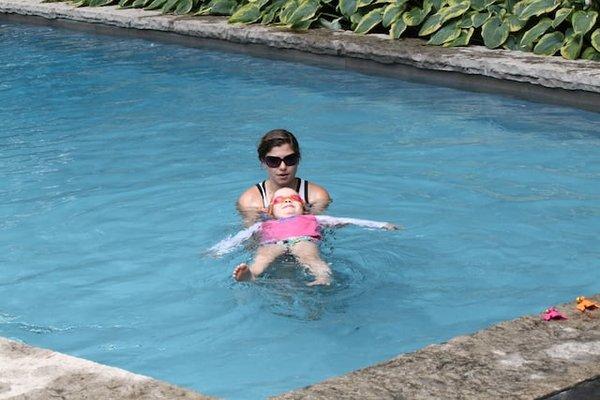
526	358
554	80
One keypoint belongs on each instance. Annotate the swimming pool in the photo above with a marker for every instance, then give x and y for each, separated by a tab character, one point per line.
121	161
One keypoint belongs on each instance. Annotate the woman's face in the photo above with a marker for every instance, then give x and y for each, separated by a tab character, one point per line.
283	174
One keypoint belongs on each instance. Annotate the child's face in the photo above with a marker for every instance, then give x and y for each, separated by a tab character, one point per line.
286	203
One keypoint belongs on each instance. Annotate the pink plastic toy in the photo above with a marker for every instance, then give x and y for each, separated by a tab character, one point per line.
552	313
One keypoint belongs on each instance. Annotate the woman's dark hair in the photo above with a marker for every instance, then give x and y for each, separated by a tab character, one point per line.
274	138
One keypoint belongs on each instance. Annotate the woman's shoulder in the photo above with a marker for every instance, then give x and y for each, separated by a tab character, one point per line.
251	198
318	194
317	189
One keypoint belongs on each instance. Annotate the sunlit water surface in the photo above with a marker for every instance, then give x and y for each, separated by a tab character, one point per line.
121	160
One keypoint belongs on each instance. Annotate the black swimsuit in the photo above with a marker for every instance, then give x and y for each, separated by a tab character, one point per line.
301	188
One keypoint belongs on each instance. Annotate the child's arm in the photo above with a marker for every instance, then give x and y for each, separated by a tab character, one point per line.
229	243
330	221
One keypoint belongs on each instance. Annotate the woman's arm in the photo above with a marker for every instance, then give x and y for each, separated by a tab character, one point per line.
330	221
229	243
250	206
319	198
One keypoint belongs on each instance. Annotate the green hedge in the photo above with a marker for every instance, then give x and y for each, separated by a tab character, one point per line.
548	27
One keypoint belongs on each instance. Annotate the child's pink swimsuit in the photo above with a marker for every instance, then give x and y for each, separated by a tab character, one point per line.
290	230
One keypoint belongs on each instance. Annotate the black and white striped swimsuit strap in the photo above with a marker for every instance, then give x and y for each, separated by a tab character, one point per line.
301	188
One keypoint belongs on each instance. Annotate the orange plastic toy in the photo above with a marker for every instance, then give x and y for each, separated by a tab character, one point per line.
585	304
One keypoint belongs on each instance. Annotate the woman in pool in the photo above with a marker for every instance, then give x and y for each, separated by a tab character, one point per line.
279	154
290	230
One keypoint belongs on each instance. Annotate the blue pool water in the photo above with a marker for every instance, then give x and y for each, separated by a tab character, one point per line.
120	161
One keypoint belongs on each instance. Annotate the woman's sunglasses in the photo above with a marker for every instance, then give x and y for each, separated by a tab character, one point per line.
289	160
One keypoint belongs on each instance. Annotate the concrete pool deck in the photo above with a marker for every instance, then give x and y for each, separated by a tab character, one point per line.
526	358
525	75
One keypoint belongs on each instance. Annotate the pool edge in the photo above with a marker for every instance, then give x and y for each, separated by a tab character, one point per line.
525	358
554	80
38	374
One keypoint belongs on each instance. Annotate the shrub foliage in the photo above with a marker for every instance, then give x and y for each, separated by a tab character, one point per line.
548	27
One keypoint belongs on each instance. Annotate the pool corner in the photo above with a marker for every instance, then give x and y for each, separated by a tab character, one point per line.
526	358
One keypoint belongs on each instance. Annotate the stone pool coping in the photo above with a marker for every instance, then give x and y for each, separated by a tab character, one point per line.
31	373
526	75
525	358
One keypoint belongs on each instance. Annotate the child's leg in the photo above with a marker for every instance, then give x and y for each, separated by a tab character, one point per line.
308	254
264	256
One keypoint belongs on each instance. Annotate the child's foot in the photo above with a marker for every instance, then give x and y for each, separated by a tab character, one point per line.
242	273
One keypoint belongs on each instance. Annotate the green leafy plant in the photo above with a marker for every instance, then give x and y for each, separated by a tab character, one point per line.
570	28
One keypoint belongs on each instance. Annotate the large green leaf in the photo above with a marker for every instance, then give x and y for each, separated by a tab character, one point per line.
99	3
571	45
462	40
560	16
497	9
392	13
184	7
333	25
305	11
247	14
288	9
431	24
155	4
437	4
304	25
169	6
538	7
520	6
583	21
512	42
590	54
364	3
397	29
369	21
355	19
446	34
494	32
549	44
428	5
348	7
480	18
270	12
595	39
139	3
467	19
509	4
480	5
454	11
415	16
267	16
514	23
222	7
534	33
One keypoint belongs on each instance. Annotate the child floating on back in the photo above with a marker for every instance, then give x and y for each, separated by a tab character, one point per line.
290	231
